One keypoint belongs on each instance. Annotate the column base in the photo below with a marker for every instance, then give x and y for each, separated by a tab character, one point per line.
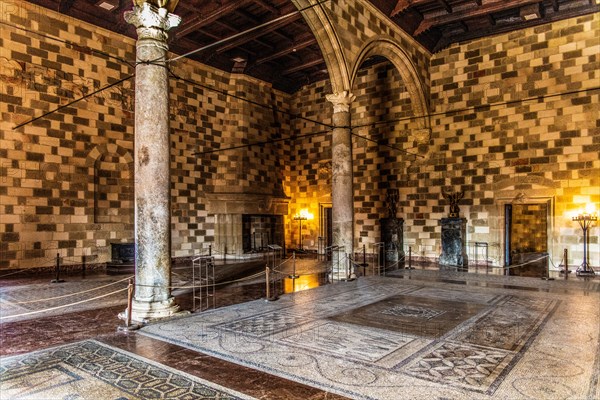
144	312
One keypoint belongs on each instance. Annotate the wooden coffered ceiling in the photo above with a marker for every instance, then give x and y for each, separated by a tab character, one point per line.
240	35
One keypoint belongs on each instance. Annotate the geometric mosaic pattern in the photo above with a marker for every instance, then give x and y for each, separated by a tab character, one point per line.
375	341
266	324
348	341
93	367
451	363
413	312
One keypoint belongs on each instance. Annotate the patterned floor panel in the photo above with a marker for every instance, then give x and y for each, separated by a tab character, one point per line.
90	369
379	338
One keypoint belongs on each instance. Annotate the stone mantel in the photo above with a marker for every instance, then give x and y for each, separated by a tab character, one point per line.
246	203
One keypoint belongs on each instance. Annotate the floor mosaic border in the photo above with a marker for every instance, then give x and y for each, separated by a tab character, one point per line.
90	366
299	338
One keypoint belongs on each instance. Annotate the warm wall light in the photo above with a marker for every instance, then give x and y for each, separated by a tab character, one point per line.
303	215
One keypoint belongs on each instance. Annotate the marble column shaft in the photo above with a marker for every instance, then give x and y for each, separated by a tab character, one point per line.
152	298
342	190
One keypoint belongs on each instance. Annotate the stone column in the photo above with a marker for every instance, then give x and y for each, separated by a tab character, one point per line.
342	191
152	297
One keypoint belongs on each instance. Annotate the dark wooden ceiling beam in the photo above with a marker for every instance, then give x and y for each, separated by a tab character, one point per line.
445	6
65	5
257	40
486	9
555	5
287	50
200	21
446	40
403	5
304	65
268	7
258	33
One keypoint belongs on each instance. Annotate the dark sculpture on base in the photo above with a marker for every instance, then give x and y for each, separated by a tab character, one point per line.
454	236
392	233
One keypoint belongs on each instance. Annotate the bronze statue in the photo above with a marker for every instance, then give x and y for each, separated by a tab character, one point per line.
453	198
392	200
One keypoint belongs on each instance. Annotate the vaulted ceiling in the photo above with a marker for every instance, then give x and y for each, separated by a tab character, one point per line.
251	37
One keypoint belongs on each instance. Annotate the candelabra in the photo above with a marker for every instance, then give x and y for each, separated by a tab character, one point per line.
300	218
585	221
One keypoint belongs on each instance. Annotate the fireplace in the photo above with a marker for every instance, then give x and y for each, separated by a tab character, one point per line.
122	259
259	231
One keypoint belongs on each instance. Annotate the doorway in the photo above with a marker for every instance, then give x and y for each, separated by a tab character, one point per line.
526	238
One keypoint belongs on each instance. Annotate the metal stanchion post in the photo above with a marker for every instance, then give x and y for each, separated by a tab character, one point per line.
566	256
57	280
410	257
83	266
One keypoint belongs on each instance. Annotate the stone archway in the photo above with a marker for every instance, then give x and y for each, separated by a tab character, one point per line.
319	21
390	49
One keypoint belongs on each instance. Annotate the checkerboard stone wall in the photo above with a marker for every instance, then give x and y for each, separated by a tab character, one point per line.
59	173
358	22
382	146
515	117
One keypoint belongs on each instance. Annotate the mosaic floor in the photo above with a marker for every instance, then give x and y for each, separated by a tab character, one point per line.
377	338
90	369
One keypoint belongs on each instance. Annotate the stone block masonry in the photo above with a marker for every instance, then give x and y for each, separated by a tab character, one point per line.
514	118
66	179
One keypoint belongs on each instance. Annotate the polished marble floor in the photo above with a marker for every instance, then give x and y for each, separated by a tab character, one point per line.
414	334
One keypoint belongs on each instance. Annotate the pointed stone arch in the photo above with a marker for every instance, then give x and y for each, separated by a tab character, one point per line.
320	23
391	49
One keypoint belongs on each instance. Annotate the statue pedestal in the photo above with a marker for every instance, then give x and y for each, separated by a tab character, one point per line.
392	235
454	248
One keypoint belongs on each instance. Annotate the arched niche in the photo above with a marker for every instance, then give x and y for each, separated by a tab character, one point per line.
113	192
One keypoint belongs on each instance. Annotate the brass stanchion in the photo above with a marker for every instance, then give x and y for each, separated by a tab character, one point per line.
270	296
128	326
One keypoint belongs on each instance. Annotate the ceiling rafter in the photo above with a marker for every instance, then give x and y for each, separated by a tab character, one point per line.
305	65
301	44
445	6
200	21
483	11
403	5
258	33
267	53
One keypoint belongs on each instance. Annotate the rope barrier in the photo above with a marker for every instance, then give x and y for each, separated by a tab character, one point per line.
12	273
203	286
63	306
72	294
523	264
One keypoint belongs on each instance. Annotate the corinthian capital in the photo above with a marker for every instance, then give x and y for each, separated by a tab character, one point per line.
341	101
147	18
